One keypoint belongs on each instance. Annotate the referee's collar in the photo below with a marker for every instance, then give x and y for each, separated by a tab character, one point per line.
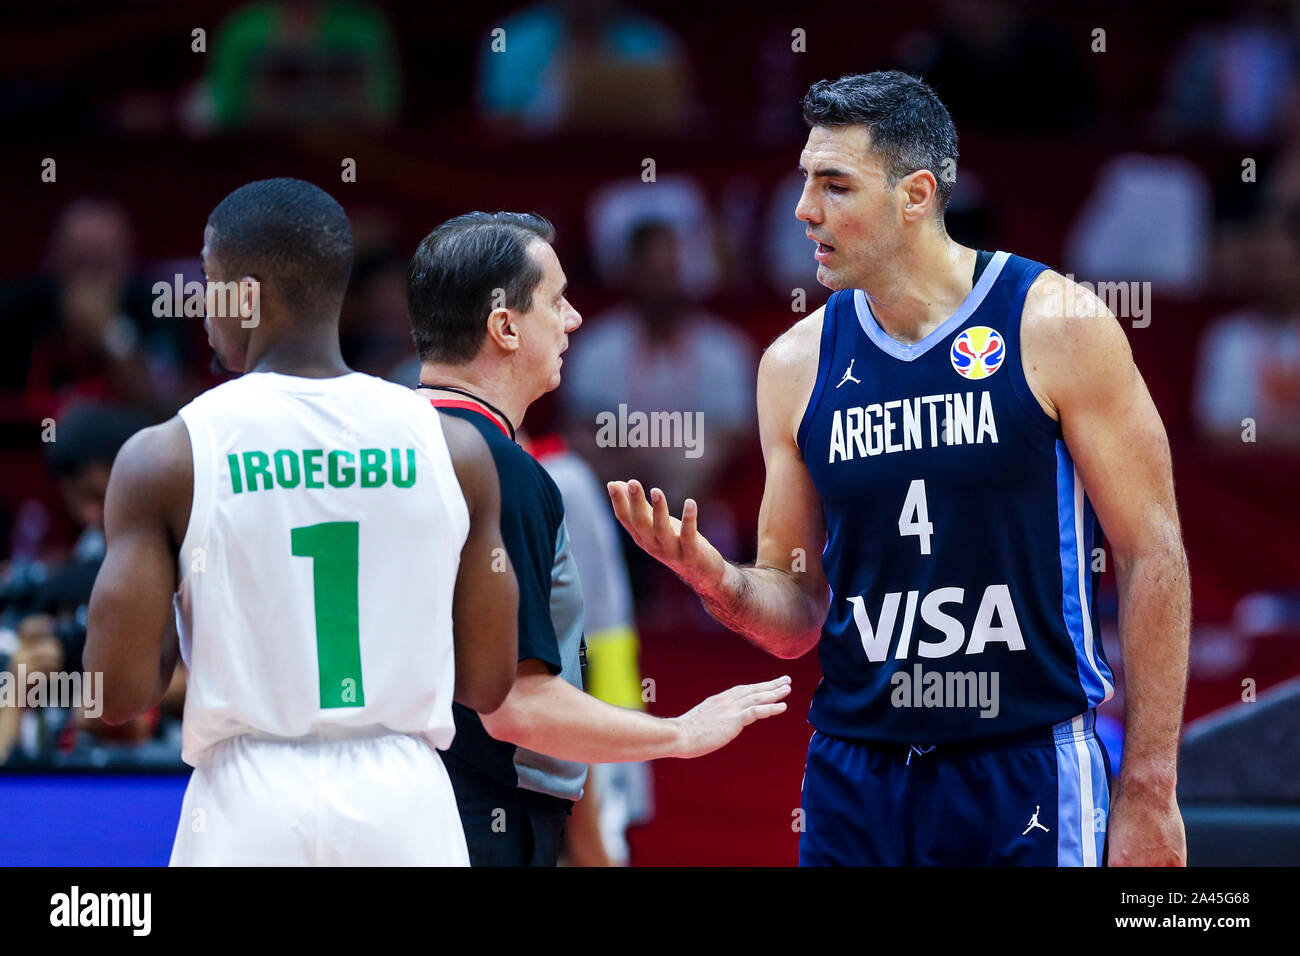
473	406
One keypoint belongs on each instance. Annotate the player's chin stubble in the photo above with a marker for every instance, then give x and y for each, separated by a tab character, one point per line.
829	278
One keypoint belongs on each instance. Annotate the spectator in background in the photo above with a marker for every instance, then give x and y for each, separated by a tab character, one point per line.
86	329
45	604
86	440
615	209
1236	81
376	329
583	64
1147	219
978	61
1249	365
658	352
304	62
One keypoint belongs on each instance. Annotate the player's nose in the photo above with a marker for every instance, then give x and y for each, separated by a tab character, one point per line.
806	210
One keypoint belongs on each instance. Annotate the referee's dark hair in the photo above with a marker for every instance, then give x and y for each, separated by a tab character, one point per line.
909	125
289	235
455	274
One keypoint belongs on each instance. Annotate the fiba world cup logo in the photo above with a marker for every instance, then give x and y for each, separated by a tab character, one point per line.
978	352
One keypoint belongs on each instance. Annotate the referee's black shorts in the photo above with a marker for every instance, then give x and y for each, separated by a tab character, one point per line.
504	825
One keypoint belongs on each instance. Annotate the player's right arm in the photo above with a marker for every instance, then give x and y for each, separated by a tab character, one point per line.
485	609
130	633
779	603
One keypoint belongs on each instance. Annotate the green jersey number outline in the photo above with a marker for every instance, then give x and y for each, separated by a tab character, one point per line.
334	549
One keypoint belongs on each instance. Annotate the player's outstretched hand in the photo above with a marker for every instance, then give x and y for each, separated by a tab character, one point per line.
716	721
677	544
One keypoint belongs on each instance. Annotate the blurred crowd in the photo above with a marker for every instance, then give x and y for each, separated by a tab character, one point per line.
1192	184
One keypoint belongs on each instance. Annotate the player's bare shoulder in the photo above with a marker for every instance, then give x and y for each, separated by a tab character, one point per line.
797	345
463	440
472	460
787	374
1069	340
154	472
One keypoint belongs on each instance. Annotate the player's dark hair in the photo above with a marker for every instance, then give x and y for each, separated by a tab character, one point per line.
909	125
454	275
289	235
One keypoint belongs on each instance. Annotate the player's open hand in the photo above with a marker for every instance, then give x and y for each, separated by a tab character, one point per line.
677	544
716	721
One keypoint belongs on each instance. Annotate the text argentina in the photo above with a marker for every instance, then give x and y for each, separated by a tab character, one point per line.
927	421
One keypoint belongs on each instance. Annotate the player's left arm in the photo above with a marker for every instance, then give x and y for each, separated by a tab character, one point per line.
1081	368
131	635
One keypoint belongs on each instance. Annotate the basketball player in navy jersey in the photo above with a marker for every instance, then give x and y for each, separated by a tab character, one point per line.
942	440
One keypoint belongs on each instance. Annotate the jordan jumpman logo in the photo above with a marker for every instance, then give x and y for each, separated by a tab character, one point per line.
848	374
1033	822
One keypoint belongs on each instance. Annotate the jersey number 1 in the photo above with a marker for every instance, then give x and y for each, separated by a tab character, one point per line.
334	548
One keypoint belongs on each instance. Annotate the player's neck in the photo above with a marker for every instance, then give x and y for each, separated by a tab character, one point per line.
501	393
931	281
313	355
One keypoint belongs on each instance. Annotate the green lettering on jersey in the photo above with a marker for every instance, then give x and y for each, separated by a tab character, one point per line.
258	463
373	473
287	470
400	480
341	477
311	466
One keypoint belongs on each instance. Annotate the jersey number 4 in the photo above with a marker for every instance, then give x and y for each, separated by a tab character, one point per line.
915	517
334	548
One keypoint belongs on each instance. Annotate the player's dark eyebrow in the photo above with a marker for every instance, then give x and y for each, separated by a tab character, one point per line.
830	173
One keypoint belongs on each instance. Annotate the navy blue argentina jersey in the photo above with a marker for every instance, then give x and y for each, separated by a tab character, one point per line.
959	540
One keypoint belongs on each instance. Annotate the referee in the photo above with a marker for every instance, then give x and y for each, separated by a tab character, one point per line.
490	317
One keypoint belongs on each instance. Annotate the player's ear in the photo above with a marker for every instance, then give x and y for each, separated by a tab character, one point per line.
920	192
250	302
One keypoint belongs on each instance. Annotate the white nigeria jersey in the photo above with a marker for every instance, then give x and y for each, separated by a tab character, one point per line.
320	561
